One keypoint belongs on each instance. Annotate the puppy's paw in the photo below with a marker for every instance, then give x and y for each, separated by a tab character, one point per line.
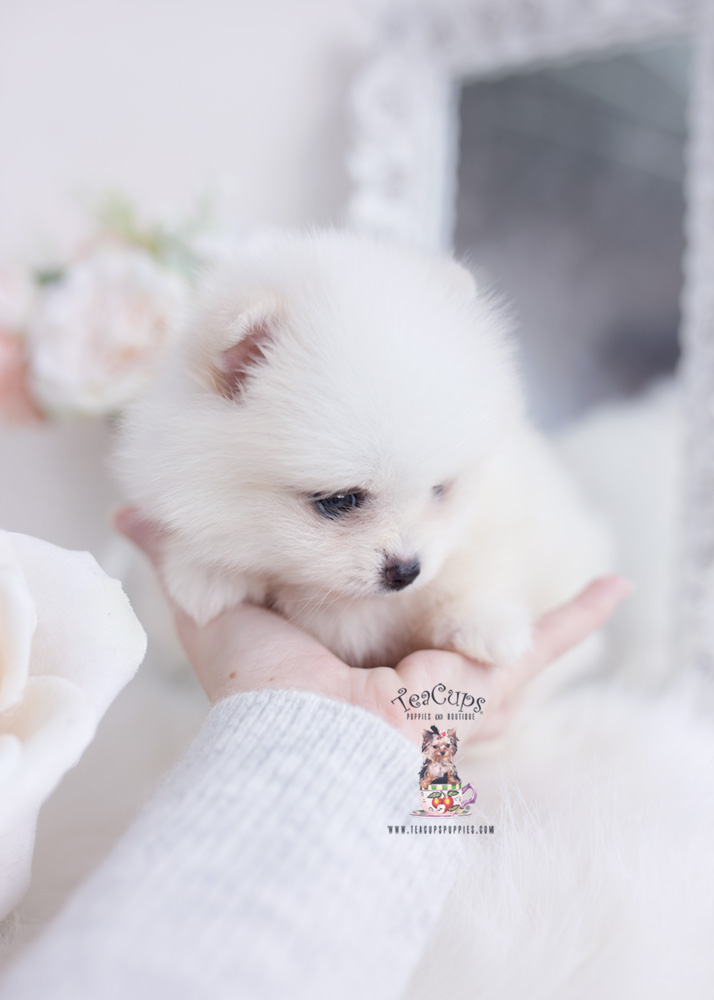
491	633
198	591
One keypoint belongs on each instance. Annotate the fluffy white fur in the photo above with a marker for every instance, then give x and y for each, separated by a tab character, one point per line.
597	881
332	364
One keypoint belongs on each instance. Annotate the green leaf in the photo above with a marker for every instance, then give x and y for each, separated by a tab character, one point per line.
49	275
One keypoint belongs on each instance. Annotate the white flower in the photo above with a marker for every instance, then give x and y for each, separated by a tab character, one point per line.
97	333
69	641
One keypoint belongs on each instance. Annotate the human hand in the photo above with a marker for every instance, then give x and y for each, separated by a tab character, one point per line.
250	648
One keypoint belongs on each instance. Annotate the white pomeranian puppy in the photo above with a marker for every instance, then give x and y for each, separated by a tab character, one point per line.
340	436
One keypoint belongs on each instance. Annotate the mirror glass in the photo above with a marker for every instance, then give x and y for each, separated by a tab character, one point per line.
570	199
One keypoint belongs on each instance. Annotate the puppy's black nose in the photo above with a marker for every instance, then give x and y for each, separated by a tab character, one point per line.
399	575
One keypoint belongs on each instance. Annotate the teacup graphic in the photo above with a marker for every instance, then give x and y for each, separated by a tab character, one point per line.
439	800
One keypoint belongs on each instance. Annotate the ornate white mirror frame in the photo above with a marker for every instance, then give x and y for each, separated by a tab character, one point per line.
402	163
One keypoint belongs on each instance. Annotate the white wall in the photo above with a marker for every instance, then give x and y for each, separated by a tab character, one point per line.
158	98
161	97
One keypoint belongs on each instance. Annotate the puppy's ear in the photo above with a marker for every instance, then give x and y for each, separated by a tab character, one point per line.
426	737
251	337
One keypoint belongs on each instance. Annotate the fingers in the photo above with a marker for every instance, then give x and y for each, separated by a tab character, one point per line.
555	634
247	647
147	536
428	670
144	534
564	628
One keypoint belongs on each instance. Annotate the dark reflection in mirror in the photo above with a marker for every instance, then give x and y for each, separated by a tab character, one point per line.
570	199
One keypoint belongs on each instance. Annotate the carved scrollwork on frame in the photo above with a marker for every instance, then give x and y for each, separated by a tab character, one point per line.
403	103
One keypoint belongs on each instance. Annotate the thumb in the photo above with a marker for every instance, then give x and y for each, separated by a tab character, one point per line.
146	535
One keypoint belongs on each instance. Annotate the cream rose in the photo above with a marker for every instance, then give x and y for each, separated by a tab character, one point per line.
69	641
97	333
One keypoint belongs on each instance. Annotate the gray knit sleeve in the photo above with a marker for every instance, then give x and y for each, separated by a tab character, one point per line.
263	867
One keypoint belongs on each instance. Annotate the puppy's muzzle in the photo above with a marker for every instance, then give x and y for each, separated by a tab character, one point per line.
398	575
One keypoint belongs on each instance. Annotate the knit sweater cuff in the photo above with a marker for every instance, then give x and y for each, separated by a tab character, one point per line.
265	860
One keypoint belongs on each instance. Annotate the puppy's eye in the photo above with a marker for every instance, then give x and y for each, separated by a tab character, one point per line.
337	504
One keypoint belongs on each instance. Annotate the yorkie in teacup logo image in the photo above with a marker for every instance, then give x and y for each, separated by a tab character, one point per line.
440	789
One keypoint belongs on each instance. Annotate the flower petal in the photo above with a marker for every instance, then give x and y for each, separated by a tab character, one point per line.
53	723
86	644
41	737
87	631
16	848
10	756
17	624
